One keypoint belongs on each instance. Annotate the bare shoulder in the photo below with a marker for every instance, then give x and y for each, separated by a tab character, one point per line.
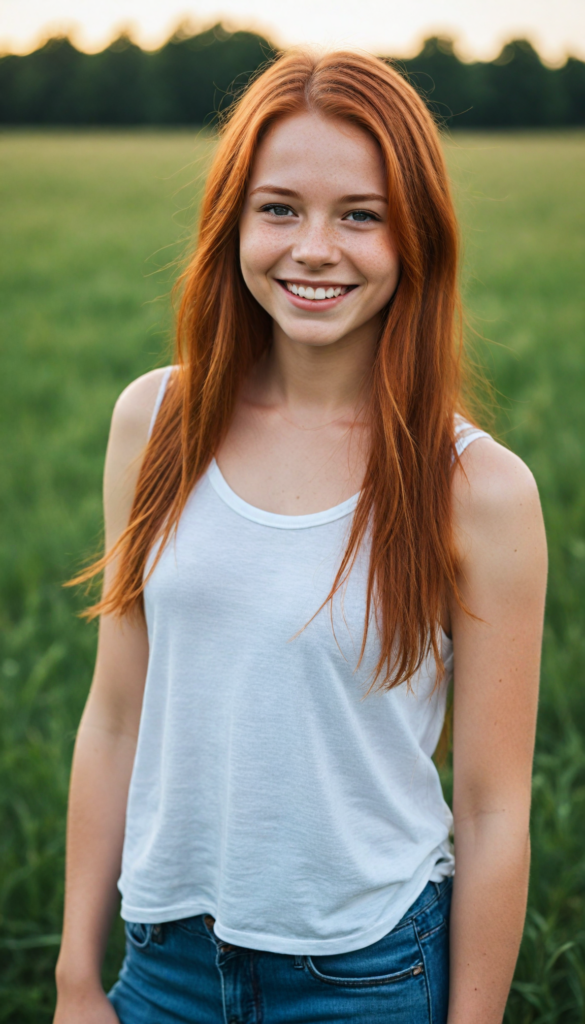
490	483
495	501
134	407
128	437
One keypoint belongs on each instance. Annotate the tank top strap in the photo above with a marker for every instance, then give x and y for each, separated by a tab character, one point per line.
161	394
465	433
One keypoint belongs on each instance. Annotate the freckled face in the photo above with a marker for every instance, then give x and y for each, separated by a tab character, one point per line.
316	248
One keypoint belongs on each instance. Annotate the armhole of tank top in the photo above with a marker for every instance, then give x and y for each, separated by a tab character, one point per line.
161	394
466	433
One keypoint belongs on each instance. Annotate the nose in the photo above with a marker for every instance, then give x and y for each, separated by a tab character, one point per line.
315	245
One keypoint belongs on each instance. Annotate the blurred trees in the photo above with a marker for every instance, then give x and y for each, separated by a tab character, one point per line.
185	82
514	90
191	77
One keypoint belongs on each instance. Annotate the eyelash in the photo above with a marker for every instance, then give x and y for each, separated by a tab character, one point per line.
271	207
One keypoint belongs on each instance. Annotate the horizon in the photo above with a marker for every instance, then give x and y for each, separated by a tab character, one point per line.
189	30
478	33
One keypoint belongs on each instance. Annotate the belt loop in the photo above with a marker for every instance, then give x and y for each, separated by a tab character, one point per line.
299	963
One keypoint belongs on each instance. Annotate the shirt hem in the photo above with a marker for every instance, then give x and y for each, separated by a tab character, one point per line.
277	944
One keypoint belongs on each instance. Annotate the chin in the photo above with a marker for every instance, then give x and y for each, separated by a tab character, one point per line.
312	336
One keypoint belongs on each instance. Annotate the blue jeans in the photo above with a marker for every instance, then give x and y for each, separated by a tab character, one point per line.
181	972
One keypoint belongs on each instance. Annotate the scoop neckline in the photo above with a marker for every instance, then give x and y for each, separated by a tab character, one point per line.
282	522
275	519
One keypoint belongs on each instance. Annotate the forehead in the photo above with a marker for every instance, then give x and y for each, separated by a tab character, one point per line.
308	151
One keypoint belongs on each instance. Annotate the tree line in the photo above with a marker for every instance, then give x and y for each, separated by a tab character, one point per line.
193	77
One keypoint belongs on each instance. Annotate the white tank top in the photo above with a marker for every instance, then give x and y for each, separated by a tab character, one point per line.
266	790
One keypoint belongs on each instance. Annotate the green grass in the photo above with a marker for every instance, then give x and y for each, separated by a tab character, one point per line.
90	224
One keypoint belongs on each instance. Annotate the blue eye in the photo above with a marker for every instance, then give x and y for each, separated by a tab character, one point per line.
361	216
278	210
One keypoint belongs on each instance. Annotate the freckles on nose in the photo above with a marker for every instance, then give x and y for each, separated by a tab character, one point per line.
317	244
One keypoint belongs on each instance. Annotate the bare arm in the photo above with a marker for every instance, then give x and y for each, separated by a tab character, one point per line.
105	746
497	659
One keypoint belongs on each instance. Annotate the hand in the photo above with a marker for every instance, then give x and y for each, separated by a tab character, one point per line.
92	1007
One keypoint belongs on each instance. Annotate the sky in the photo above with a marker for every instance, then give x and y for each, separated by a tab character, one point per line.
479	27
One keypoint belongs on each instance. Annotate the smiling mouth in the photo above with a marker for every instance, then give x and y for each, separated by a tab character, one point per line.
317	293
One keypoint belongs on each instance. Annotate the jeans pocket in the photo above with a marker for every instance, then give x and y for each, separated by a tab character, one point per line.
138	935
395	958
369	980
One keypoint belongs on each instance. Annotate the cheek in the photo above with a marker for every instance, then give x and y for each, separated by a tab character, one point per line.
383	264
259	250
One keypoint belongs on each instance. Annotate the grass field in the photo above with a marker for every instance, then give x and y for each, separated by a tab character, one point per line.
92	224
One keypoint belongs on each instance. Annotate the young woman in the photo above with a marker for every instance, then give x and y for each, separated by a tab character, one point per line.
304	538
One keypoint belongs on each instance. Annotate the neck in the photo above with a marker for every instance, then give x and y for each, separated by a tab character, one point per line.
321	380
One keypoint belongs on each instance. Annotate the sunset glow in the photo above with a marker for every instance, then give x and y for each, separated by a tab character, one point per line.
376	25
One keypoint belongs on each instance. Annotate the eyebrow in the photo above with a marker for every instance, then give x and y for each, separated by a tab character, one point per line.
357	198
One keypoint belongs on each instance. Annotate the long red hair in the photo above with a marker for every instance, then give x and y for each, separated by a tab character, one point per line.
405	503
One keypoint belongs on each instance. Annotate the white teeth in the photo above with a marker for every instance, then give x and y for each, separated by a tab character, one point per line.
316	294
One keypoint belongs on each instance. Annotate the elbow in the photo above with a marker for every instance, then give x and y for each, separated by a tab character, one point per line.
497	835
